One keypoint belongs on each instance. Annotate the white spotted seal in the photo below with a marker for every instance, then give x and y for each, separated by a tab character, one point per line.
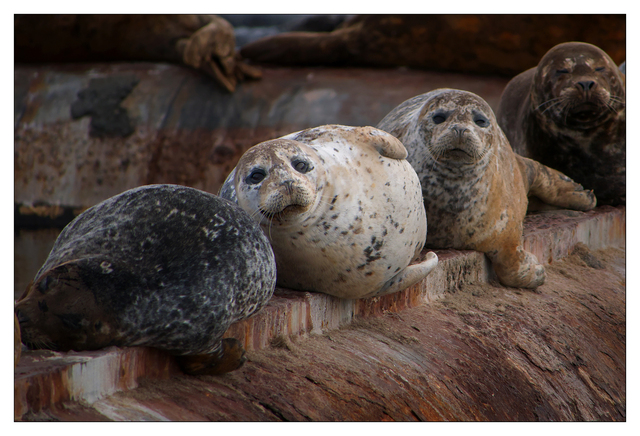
569	113
341	206
162	266
474	187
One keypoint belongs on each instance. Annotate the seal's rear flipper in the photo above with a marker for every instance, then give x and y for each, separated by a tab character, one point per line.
410	275
230	358
553	187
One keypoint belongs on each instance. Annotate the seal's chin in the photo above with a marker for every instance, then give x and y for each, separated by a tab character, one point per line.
585	113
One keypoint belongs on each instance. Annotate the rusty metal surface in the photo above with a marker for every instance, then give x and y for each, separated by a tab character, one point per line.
175	125
186	129
483	353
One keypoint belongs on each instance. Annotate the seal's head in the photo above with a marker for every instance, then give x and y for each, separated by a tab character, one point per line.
577	85
457	128
279	181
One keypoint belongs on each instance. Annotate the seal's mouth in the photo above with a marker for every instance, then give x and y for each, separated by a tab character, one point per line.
283	214
585	114
457	153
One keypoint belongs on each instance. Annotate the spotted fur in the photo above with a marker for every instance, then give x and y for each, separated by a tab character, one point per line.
341	207
163	266
474	187
569	113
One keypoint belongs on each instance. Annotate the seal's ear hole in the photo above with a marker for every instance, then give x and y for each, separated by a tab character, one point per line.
481	120
256	176
439	117
301	166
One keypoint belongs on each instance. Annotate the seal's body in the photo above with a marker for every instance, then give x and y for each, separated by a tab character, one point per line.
341	206
569	113
474	187
162	266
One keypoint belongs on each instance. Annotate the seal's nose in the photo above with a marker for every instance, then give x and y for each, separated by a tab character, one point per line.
458	130
586	85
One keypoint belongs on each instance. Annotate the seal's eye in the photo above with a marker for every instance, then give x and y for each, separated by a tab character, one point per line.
439	118
600	69
562	71
256	176
301	166
481	121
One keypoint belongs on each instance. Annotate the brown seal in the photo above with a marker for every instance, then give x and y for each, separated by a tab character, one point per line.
474	186
569	113
203	42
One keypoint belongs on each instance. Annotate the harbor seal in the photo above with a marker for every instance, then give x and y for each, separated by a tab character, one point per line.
162	266
569	113
474	187
342	209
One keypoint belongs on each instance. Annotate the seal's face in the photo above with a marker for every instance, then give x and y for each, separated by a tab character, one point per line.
278	181
578	86
457	128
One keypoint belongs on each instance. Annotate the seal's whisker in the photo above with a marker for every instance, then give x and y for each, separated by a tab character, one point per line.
559	101
548	102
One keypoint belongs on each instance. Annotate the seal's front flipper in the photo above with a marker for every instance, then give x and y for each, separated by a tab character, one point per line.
386	144
517	268
230	358
410	275
553	187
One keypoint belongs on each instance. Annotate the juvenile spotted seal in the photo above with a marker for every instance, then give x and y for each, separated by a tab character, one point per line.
163	266
569	113
342	209
474	187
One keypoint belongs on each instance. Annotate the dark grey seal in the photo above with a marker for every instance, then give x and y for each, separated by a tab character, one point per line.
163	266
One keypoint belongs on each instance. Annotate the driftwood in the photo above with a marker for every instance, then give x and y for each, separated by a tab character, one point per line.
486	44
203	42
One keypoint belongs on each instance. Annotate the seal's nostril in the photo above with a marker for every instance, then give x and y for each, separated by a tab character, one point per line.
459	130
586	85
288	184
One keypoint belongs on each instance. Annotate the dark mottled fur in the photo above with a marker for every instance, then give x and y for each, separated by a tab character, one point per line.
583	134
163	266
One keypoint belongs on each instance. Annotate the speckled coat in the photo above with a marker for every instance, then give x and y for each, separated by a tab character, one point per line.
163	266
474	187
364	221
